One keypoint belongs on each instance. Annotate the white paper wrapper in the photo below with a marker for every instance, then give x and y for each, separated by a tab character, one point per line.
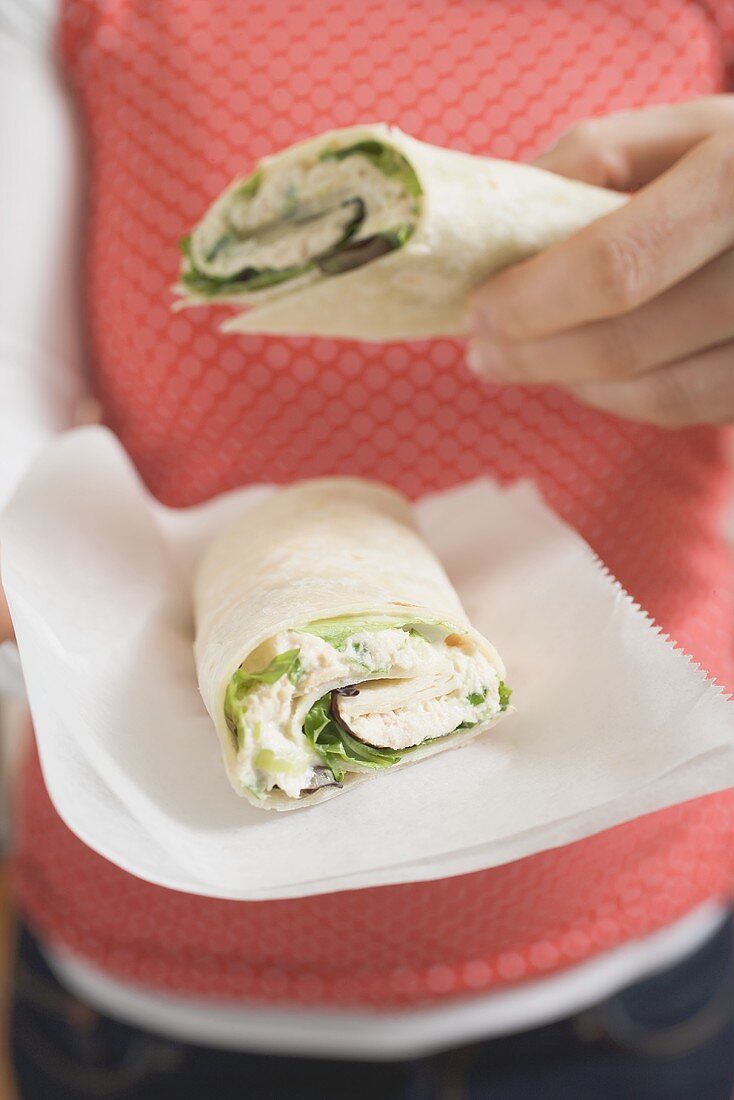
612	722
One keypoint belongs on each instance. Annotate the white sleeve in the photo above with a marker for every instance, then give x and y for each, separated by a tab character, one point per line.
41	376
40	350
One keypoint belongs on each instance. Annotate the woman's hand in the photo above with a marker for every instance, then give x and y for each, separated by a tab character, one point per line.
6	626
635	313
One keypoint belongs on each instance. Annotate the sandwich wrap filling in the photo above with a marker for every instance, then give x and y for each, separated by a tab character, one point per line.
331	646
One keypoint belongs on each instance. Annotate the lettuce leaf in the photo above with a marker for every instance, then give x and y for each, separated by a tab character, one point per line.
250	187
242	683
478	697
339	630
337	747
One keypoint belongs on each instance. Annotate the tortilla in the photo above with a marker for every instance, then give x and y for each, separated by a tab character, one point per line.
331	646
366	233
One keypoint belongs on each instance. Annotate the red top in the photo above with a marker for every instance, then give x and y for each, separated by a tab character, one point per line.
178	97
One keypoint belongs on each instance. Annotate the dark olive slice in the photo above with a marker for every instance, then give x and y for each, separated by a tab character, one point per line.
335	712
356	254
322	777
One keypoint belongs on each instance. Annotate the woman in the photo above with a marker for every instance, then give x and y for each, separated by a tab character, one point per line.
602	967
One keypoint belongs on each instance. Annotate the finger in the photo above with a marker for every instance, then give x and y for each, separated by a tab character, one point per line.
622	260
6	623
698	390
693	315
628	149
87	411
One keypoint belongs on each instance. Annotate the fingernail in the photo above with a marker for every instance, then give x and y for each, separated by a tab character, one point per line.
486	360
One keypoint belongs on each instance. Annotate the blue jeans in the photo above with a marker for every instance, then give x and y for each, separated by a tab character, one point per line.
670	1037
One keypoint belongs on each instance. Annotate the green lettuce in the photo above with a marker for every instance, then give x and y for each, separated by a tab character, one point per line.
250	187
338	631
478	697
242	683
337	747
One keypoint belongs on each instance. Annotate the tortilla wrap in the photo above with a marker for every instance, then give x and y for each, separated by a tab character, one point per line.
366	233
331	646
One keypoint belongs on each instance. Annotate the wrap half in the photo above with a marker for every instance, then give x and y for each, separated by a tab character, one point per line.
331	645
366	233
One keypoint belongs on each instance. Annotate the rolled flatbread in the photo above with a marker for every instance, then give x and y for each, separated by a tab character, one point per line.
331	646
366	233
